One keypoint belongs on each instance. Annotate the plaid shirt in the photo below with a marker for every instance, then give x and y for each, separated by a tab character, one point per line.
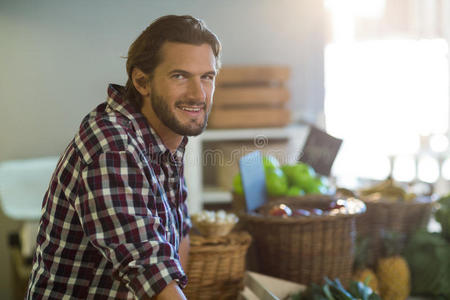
114	212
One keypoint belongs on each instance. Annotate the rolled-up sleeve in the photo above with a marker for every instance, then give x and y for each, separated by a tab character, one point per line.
114	202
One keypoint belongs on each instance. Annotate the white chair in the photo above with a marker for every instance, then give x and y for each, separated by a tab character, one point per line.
23	184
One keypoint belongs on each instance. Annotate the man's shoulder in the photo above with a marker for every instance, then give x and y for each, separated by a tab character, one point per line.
102	130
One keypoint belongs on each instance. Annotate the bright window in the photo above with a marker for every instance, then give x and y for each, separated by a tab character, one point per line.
381	97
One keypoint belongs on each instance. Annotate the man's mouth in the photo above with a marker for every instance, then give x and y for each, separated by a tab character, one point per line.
192	109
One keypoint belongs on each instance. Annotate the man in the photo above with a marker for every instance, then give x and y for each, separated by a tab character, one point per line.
115	223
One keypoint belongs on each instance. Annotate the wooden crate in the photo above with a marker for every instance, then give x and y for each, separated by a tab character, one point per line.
241	75
251	97
249	117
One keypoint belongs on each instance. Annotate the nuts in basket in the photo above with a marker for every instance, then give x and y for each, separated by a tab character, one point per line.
214	223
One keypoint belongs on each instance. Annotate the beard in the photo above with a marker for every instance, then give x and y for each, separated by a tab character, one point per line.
167	117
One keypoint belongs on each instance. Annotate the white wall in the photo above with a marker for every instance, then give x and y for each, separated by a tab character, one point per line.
57	57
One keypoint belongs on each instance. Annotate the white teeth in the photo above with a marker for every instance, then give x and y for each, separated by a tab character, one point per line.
190	109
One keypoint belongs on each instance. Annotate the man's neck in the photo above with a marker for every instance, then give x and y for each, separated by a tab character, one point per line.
172	142
169	138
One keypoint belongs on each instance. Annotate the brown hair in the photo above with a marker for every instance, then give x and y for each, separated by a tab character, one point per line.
144	51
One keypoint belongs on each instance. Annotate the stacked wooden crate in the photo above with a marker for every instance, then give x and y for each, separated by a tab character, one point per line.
251	97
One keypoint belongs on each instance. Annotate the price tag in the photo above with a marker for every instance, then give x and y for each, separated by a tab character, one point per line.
253	180
320	150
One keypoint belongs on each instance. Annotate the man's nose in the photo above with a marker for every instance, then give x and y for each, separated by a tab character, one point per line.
196	90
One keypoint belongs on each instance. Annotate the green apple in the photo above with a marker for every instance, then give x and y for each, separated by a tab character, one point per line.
270	162
298	168
276	182
299	175
324	184
237	184
295	191
313	187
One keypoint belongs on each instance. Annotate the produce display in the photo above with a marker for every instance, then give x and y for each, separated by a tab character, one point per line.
390	208
392	270
334	290
361	270
443	216
428	256
383	267
287	180
387	190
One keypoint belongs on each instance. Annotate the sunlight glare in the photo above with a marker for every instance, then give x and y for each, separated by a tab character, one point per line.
428	169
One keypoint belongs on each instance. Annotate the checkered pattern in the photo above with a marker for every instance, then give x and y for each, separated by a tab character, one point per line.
114	212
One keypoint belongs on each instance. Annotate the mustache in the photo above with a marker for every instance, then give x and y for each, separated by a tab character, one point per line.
190	103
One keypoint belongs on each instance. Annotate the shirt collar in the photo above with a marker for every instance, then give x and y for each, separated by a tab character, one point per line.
156	147
159	149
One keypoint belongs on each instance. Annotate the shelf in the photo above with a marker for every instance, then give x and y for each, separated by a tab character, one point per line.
249	133
216	195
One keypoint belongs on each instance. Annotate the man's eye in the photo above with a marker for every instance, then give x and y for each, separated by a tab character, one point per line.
208	77
177	76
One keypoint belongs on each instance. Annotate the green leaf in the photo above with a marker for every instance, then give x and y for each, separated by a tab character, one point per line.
338	290
374	296
364	290
327	292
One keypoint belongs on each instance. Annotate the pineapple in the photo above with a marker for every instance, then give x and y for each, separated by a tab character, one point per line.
393	271
361	271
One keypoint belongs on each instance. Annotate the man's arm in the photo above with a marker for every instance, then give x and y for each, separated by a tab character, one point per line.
171	292
139	250
183	252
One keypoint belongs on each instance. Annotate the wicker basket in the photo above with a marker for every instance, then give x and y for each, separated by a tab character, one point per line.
402	217
304	249
213	229
217	266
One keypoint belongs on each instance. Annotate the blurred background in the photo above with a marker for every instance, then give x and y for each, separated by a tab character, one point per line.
371	72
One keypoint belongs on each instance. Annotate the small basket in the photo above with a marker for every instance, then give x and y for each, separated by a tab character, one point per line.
303	249
213	229
402	217
217	266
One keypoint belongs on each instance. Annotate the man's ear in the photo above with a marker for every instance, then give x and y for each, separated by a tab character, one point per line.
140	82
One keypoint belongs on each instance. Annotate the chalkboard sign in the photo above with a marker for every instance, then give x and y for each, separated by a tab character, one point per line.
253	180
320	150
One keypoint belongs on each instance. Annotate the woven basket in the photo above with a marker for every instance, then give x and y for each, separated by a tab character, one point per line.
217	266
402	217
213	229
303	249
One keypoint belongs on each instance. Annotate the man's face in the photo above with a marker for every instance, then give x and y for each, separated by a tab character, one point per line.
182	88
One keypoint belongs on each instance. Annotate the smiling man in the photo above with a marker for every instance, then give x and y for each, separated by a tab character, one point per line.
115	223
